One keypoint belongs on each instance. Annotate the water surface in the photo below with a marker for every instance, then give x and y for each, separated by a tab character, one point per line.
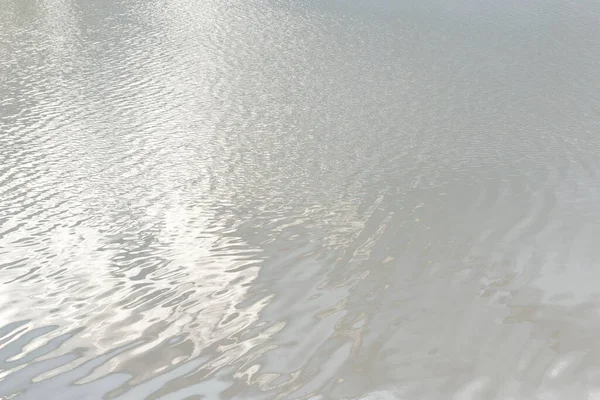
299	199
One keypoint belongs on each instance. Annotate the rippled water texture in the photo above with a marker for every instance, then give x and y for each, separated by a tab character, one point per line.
297	199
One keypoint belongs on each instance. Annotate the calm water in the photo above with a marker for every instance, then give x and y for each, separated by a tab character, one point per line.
299	199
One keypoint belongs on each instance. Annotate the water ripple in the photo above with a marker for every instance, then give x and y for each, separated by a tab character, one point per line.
305	200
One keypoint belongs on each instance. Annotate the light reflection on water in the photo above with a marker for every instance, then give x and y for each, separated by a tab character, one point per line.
309	200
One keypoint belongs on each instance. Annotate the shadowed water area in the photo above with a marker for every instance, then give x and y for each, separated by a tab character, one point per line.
299	199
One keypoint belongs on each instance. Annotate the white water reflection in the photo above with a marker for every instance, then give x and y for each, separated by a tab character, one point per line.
307	200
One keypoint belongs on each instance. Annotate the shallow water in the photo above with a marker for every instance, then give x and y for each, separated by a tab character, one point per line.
299	199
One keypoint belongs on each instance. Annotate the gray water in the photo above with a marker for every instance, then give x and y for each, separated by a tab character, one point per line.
299	199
